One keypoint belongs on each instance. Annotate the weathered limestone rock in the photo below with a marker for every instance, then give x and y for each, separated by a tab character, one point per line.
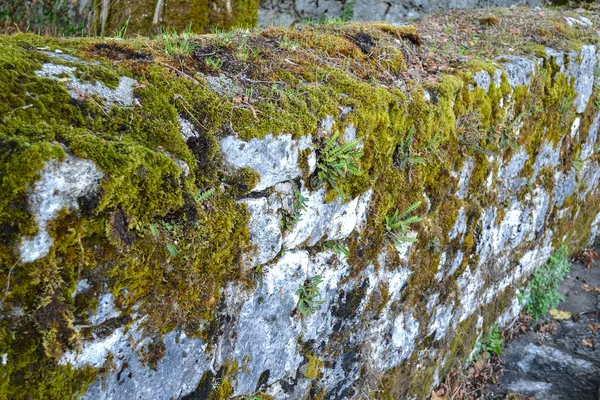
61	185
161	237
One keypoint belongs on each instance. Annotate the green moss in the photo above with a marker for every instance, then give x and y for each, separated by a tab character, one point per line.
313	368
111	242
157	249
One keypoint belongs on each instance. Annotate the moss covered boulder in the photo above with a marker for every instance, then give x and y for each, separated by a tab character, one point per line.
314	212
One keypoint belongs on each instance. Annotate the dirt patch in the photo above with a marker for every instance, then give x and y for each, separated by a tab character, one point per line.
363	41
118	52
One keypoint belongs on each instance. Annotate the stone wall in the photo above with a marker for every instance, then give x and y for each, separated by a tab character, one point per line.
274	12
162	212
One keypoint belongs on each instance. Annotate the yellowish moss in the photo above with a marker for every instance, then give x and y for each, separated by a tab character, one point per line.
313	368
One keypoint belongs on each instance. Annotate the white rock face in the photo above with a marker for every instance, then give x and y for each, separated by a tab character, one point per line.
274	158
60	185
122	95
176	374
519	70
265	225
483	80
333	221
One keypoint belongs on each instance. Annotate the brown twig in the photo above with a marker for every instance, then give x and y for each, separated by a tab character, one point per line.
8	278
197	82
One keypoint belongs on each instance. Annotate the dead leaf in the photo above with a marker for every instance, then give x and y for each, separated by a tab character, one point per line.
560	314
592	329
586	257
586	288
435	396
597	289
587	342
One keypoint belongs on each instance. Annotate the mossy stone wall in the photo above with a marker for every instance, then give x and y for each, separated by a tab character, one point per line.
161	209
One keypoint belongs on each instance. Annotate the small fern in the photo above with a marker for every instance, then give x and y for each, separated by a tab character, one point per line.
290	219
308	302
404	158
397	225
200	196
173	251
338	161
337	247
577	163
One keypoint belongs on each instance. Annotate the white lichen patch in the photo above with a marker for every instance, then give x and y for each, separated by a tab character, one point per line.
187	128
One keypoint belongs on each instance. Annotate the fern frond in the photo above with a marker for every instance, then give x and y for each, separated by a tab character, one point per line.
410	209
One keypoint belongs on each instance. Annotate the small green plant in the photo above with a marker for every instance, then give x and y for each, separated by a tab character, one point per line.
259	272
348	11
505	136
173	251
249	93
121	33
337	161
577	163
213	63
223	38
337	247
177	45
542	292
309	295
288	44
492	344
404	157
434	145
566	111
398	224
243	50
597	105
201	196
470	134
299	205
153	229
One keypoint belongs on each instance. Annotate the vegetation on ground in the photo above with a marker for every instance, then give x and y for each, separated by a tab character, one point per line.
542	291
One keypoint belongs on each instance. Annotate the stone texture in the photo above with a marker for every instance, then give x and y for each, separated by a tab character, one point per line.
122	95
275	158
288	12
61	185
